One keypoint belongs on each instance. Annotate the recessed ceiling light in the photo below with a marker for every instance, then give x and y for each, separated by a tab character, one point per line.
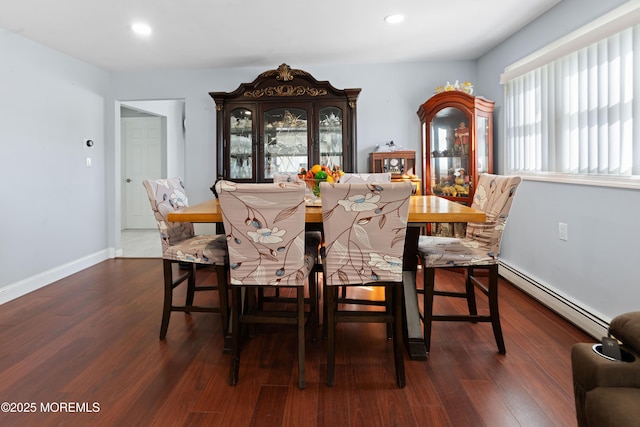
394	19
141	28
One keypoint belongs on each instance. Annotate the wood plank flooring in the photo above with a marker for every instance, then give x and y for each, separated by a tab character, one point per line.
92	338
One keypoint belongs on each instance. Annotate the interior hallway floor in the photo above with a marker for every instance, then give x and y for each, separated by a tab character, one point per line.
141	244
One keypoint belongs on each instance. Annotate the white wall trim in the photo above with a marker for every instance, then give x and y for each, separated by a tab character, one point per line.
629	182
30	284
583	317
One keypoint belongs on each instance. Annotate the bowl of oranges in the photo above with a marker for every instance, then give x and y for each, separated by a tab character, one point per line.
317	174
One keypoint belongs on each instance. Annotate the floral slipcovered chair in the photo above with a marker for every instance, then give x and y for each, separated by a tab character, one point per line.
365	227
180	245
313	237
479	249
355	178
265	230
361	178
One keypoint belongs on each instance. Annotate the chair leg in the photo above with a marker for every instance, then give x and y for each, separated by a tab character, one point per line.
252	304
388	307
302	382
493	308
398	298
223	297
191	285
236	308
471	293
314	316
330	301
168	297
316	281
429	276
325	310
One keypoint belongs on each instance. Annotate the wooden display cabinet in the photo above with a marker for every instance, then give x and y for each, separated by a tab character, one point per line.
457	144
401	164
283	121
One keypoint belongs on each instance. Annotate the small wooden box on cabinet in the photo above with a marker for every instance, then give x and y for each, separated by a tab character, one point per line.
401	164
397	162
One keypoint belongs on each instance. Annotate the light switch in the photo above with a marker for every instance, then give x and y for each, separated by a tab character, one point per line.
88	162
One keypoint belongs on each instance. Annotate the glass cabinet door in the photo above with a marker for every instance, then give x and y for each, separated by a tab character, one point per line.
298	121
286	141
450	139
241	152
330	137
482	145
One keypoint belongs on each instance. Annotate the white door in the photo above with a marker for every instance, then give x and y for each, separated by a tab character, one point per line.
142	142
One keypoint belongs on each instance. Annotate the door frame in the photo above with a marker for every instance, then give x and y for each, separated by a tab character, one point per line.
174	161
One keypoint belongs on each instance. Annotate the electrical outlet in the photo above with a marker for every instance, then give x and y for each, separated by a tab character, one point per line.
563	231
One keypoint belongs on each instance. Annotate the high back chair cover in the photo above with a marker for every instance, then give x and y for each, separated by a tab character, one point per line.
264	226
481	244
181	245
494	196
265	231
361	178
356	178
313	237
365	227
479	249
179	241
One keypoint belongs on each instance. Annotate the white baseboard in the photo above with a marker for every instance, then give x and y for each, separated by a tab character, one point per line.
584	318
30	284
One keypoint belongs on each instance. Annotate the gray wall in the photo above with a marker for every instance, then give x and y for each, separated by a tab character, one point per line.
594	268
54	207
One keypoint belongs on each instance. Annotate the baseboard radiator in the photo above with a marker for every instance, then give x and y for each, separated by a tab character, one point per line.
583	318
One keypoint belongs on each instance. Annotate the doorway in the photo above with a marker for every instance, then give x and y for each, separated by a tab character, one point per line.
152	146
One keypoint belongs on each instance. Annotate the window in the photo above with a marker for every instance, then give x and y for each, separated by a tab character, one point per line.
576	112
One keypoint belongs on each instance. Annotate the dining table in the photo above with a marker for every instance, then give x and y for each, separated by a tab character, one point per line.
422	211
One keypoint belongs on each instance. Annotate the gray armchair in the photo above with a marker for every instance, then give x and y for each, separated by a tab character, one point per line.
607	391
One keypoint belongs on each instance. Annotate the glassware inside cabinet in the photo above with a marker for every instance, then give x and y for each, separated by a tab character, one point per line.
330	135
450	153
482	145
241	144
285	141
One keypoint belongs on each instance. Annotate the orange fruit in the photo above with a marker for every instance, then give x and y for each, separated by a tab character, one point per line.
316	168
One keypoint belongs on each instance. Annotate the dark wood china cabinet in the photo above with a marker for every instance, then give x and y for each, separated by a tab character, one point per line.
283	121
457	144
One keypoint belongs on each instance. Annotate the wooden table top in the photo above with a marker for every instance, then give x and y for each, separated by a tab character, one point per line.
422	209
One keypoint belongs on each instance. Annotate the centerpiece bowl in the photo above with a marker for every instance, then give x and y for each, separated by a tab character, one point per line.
313	184
318	174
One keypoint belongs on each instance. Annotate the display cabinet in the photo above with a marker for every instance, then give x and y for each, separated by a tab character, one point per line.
400	163
457	144
283	121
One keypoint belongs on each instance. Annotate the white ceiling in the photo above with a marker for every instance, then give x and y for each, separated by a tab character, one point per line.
261	33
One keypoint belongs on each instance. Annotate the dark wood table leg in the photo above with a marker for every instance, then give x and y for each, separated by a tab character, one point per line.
412	326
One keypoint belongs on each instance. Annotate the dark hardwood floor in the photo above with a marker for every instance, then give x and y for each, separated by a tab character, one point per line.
92	338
